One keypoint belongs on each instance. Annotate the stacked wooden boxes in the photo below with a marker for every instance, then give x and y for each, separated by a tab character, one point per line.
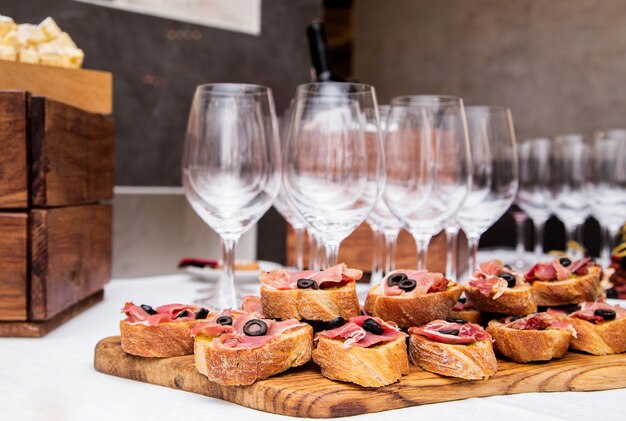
56	169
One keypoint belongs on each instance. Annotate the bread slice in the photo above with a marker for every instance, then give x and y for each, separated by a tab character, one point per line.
171	339
471	315
244	366
570	291
599	339
375	366
472	362
523	346
412	311
311	304
514	301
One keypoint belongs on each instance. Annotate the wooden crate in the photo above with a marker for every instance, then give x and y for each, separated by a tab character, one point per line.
56	166
357	250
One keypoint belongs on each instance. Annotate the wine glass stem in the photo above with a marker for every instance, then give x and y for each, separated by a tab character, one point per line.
299	234
321	254
391	240
421	242
332	250
313	248
472	240
377	257
538	239
451	257
227	297
605	253
520	247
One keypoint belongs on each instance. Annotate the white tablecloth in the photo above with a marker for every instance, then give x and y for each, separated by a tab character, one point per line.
53	378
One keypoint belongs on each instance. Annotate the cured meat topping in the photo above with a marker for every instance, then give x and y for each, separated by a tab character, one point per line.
425	282
452	333
493	276
355	335
335	276
555	271
163	314
540	321
589	312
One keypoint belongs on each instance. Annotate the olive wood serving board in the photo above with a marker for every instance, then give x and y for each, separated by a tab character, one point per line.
304	392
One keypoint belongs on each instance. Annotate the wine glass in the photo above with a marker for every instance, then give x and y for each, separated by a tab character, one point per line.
533	196
384	224
231	166
494	175
334	168
571	167
428	164
608	184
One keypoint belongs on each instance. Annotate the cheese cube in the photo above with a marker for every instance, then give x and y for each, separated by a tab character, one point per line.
6	25
28	55
7	52
63	39
28	34
50	28
10	39
73	58
51	59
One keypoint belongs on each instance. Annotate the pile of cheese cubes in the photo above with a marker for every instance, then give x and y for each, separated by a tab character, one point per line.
38	44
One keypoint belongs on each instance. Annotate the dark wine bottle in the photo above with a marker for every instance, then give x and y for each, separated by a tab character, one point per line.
322	70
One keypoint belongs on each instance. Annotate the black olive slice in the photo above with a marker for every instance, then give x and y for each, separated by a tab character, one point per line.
508	277
307	283
453	320
224	320
372	325
202	313
606	314
462	300
148	309
255	327
333	324
508	267
564	261
182	314
611	293
407	285
395	279
454	332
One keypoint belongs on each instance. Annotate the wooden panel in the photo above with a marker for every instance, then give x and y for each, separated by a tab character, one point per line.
39	329
356	250
13	266
89	90
13	159
70	256
73	153
303	392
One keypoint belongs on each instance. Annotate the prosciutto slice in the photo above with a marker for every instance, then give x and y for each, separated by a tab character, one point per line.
332	277
587	311
252	304
486	278
540	321
549	271
468	332
164	314
234	337
427	282
355	335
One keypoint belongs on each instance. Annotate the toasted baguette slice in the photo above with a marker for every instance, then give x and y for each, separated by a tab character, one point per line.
570	291
515	301
309	304
171	339
244	366
523	346
472	316
412	311
472	362
599	339
376	366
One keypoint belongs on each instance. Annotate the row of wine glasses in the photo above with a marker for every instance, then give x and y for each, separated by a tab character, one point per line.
435	168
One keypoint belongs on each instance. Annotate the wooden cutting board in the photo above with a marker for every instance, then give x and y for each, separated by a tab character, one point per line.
303	392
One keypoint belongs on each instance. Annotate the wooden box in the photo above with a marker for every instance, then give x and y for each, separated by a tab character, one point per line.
56	166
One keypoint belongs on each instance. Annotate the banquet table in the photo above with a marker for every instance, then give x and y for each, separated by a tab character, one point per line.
52	378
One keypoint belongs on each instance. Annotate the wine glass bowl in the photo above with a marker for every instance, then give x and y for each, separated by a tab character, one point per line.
231	166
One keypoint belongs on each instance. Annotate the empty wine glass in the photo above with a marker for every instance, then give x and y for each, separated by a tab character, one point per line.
534	185
428	164
571	167
231	166
384	224
494	175
334	169
608	184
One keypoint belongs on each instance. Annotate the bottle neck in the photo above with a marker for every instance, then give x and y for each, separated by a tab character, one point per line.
320	57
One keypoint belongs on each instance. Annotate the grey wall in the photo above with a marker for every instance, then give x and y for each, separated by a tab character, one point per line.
155	75
558	64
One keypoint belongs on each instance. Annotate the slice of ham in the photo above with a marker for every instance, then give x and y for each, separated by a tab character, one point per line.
486	278
468	332
426	282
548	271
165	314
332	277
355	335
541	321
587	311
252	304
